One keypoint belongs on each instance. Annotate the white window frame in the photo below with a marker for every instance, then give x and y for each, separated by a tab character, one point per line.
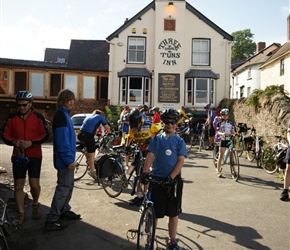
200	52
136	48
210	91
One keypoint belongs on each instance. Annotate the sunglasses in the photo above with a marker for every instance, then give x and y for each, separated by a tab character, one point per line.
22	105
168	122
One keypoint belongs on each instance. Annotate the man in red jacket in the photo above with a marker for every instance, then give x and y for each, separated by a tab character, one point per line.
26	130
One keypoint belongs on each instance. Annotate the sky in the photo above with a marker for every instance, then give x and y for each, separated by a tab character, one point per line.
27	27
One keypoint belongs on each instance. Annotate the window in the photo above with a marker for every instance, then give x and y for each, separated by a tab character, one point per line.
136	50
200	91
71	82
248	91
36	85
3	82
89	87
200	52
282	66
135	90
242	91
55	84
104	86
249	73
20	81
60	60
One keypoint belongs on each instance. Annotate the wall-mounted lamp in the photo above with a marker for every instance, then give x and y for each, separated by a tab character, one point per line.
144	31
170	3
133	30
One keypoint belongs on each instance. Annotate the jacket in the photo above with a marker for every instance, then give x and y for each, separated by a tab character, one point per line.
64	140
33	128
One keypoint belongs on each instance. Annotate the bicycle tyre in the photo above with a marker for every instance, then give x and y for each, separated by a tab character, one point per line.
269	160
3	241
251	155
189	144
82	166
201	143
146	229
114	184
259	158
236	164
241	148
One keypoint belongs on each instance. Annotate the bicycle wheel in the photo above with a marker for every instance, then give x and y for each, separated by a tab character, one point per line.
81	166
240	148
269	160
3	241
251	155
259	158
146	229
201	142
189	144
115	182
235	165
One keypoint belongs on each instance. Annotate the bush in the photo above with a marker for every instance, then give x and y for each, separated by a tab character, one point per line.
113	115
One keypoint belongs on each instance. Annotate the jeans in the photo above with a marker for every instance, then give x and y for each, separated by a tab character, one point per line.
62	194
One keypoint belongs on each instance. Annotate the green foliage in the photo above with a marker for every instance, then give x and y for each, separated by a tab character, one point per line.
270	91
113	115
243	45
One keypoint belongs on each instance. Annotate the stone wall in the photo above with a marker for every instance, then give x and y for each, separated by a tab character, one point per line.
270	118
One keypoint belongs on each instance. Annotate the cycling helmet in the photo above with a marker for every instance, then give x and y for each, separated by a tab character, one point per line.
155	108
170	114
144	108
24	95
207	106
183	107
135	118
225	112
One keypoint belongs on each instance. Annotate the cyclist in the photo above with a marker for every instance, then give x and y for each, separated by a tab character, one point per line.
87	135
141	131
167	152
156	117
225	129
209	123
285	195
182	115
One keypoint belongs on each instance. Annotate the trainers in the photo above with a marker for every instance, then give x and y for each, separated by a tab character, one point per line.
19	220
234	174
284	195
69	215
36	213
55	225
136	201
93	174
172	245
219	175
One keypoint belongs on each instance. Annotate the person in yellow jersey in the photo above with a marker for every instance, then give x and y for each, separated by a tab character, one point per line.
141	131
182	115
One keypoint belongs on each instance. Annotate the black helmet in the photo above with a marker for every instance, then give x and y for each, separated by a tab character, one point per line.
225	112
135	118
170	114
144	108
24	95
183	107
207	106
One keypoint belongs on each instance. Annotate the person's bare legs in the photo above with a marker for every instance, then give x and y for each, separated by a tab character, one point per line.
172	227
287	177
221	155
19	194
92	161
35	189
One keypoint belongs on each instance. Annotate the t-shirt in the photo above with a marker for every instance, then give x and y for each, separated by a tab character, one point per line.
225	126
92	122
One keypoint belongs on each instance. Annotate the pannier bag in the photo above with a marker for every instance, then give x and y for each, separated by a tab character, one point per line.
242	127
248	142
280	159
106	165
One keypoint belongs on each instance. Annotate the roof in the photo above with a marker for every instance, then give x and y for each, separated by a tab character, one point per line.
134	72
89	55
52	55
152	6
200	73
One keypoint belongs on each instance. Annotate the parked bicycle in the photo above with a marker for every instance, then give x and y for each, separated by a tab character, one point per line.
202	137
230	157
5	225
271	154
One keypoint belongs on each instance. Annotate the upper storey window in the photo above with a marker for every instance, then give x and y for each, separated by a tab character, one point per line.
136	50
200	52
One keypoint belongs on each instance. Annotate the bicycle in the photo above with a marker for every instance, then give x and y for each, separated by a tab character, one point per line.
233	162
5	225
271	153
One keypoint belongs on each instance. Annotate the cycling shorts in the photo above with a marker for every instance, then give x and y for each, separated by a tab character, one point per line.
89	140
211	131
225	144
165	203
33	167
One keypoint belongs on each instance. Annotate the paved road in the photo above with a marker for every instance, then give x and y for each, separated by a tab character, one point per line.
217	213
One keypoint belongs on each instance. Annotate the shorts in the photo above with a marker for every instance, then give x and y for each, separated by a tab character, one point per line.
33	167
225	144
288	155
166	203
89	140
211	131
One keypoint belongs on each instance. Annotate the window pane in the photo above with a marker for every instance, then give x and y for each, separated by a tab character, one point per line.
55	84
201	84
135	83
136	50
135	96
71	83
20	81
37	84
89	87
3	82
200	52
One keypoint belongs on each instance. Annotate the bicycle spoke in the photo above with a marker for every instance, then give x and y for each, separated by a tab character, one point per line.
235	166
269	160
82	166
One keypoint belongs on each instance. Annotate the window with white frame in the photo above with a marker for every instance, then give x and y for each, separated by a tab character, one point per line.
200	52
71	83
136	50
36	83
249	73
248	91
200	91
135	90
282	66
89	87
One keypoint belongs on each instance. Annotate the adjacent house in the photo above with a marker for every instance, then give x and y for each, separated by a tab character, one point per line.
168	55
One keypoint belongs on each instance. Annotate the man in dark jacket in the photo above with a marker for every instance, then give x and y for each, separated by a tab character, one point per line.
64	151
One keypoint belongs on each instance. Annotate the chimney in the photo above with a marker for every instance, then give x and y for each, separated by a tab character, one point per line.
126	20
260	46
288	28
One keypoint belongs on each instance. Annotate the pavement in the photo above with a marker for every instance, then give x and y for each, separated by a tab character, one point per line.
216	213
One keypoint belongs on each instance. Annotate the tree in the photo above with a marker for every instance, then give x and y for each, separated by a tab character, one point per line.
243	45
